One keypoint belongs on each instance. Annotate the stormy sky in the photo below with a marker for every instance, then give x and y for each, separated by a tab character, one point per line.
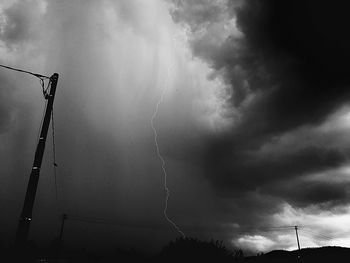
253	120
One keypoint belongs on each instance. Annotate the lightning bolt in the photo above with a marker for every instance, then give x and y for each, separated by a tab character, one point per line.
163	164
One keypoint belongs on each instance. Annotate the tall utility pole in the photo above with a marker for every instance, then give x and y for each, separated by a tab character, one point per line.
296	233
60	239
26	215
64	217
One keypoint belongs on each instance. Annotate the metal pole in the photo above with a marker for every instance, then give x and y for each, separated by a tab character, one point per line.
64	217
296	232
26	215
60	239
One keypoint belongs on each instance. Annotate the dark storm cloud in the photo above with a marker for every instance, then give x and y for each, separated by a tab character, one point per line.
241	171
302	193
303	46
197	13
296	53
17	23
287	69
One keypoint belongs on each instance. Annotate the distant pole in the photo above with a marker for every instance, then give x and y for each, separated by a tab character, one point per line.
296	233
26	215
64	217
59	244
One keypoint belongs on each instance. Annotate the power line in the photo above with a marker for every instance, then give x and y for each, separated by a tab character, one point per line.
319	235
115	222
39	76
45	94
25	71
304	231
277	228
91	220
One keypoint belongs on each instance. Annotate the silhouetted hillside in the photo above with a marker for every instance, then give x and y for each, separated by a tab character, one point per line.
194	250
180	250
308	255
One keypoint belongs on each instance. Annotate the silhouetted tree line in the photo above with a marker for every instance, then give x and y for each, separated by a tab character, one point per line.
194	250
308	255
180	250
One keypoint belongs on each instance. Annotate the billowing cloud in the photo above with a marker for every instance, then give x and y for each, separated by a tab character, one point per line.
284	65
20	22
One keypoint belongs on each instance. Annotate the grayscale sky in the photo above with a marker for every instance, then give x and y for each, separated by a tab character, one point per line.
253	120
